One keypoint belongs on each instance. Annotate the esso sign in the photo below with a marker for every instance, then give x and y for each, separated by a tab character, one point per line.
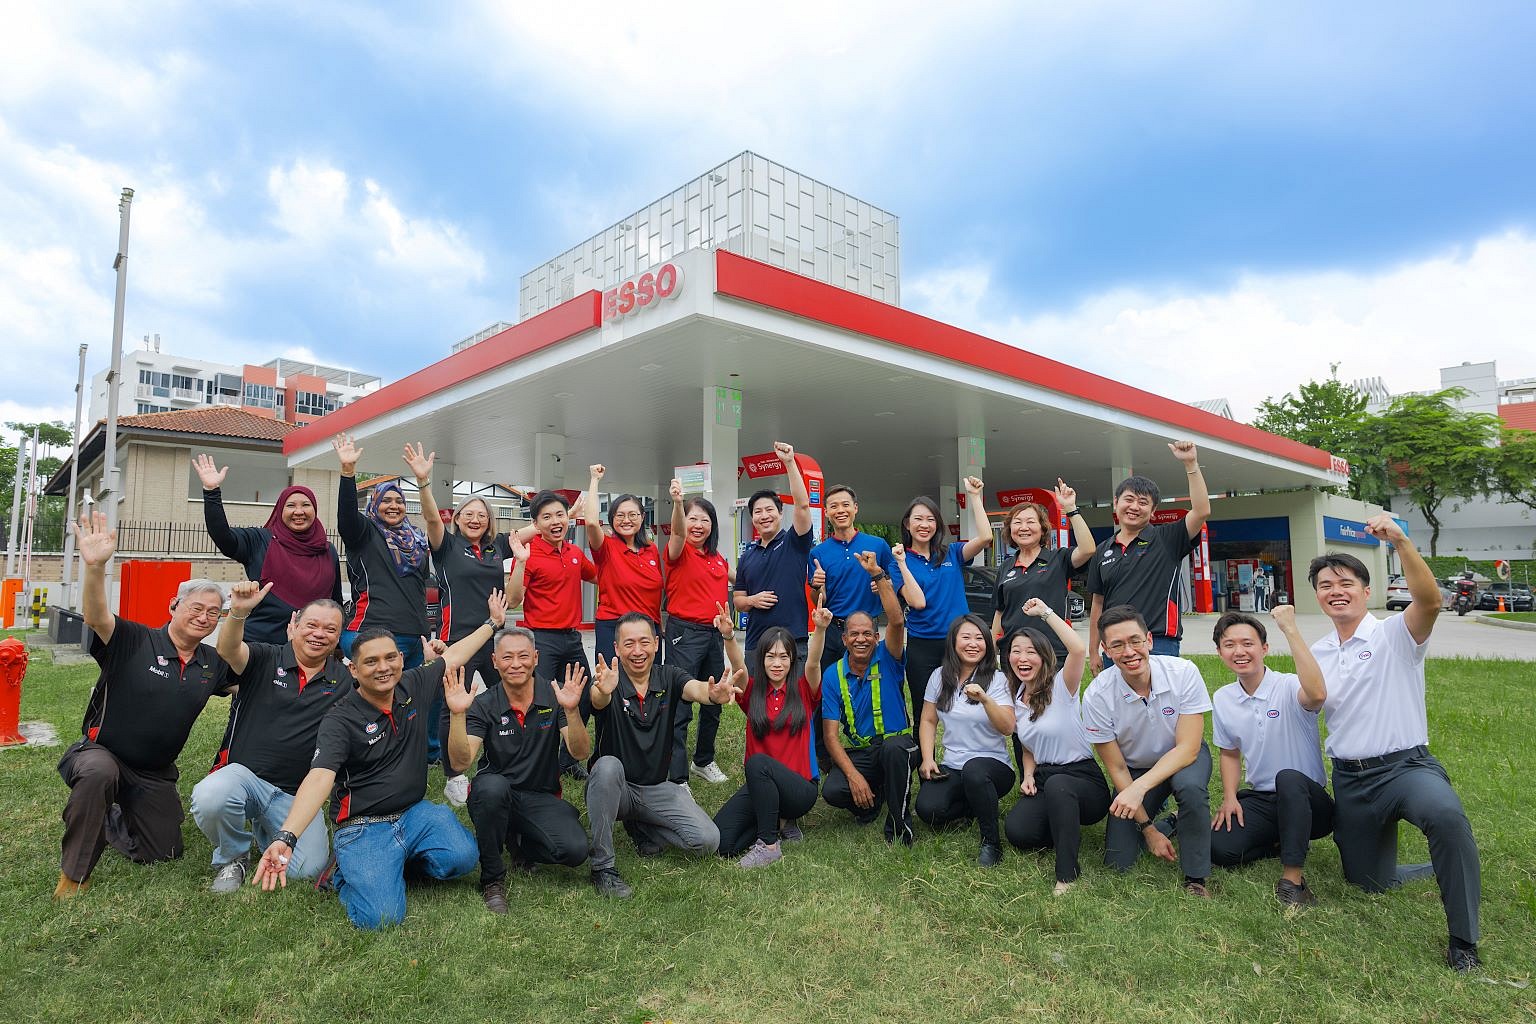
646	290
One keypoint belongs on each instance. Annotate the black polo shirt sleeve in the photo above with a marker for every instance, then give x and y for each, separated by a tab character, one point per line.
1094	581
333	743
423	682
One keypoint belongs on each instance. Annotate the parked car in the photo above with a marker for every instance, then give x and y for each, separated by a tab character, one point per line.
1397	594
981	590
1517	598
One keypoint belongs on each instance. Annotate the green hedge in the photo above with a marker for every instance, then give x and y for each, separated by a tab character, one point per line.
1521	570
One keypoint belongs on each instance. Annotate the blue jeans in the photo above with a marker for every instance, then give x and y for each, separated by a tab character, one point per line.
371	860
226	800
1160	645
410	647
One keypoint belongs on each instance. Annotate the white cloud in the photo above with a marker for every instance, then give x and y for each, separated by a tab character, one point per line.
1269	333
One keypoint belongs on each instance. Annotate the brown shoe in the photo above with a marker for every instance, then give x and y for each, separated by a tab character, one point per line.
495	897
68	887
1197	888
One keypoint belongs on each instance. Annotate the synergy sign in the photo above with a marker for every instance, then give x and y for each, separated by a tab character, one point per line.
640	292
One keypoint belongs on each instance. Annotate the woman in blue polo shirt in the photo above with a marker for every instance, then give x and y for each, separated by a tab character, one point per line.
933	582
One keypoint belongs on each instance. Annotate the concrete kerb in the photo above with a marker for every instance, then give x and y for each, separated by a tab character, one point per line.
1489	620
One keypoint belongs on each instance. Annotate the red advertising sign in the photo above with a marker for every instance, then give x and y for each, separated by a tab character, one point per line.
646	290
766	464
1169	515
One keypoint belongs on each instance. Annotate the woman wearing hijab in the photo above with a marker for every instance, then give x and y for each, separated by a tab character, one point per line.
386	562
290	552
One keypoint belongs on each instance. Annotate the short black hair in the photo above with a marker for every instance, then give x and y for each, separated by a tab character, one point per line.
712	542
1139	485
369	635
545	498
1231	619
629	617
1343	562
826	495
327	603
1120	613
759	496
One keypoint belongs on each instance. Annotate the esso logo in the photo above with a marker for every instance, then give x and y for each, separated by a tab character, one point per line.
646	290
1273	712
1168	712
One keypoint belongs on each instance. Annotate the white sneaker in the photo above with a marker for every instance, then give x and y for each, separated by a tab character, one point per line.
456	790
708	772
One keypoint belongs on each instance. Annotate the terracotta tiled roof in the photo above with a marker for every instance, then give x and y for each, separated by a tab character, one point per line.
218	420
1519	415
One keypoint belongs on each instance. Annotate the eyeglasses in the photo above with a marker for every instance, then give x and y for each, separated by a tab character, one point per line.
627	515
1134	643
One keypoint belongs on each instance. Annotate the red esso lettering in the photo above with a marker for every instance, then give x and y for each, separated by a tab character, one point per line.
666	281
645	289
610	303
626	297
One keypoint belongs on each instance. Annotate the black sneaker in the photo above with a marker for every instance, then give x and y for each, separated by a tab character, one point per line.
608	883
575	770
1463	959
899	828
1294	895
495	897
991	855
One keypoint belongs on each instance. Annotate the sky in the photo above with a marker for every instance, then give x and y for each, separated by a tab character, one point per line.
1203	199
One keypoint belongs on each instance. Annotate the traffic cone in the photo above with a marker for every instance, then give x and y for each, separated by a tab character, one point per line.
1501	602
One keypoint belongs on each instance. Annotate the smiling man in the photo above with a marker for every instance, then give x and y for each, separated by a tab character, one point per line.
1139	565
835	567
1145	716
285	690
1378	737
153	684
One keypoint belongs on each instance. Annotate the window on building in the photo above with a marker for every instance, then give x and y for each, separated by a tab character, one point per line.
185	382
263	396
311	403
145	408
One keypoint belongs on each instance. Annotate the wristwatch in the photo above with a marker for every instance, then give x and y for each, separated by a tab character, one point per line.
287	838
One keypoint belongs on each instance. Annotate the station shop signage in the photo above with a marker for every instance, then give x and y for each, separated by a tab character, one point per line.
642	292
1348	531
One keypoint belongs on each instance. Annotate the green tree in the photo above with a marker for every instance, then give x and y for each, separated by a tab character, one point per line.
1331	415
1514	475
54	441
1434	452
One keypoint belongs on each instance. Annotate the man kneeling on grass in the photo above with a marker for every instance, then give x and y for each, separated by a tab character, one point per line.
1267	720
516	729
371	755
636	703
1145	716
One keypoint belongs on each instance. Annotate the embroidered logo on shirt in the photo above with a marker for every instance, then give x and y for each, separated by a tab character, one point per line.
160	660
281	671
503	719
1273	713
1365	655
371	728
1168	711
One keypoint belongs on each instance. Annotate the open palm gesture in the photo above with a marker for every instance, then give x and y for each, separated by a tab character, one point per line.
97	544
209	474
568	696
420	463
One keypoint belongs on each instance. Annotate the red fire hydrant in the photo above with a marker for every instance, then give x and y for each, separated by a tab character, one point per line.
13	665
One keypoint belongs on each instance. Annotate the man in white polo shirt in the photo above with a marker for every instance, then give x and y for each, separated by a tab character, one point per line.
1267	721
1378	737
1145	716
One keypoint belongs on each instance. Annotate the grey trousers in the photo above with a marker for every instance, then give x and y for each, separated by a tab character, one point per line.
665	811
1368	806
1190	789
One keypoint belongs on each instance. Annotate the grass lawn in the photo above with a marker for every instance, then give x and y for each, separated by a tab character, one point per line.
843	929
1513	616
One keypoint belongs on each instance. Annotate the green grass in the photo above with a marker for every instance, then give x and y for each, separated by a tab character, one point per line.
843	929
1513	616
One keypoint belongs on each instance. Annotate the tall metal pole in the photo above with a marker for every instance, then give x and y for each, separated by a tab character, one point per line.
67	599
13	532
26	565
110	497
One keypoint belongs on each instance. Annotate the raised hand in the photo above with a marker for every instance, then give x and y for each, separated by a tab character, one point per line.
1185	452
974	486
420	464
1066	495
819	577
1284	616
1384	527
208	474
455	696
1036	608
785	451
568	696
433	648
606	675
728	688
496	604
518	548
725	620
347	452
597	470
899	552
821	614
95	542
246	595
870	563
675	491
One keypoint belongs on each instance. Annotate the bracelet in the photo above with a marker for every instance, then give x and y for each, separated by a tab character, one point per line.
880	578
239	618
287	838
1073	512
1143	826
1192	472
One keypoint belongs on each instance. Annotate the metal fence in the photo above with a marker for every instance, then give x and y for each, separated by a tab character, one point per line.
140	537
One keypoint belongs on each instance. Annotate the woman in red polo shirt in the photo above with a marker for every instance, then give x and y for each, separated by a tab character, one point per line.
780	704
698	581
628	564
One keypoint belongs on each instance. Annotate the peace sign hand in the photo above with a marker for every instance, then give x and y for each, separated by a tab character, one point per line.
606	676
725	621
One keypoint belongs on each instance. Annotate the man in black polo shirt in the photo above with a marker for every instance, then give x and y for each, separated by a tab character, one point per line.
1139	565
516	729
285	691
635	702
371	757
770	575
154	683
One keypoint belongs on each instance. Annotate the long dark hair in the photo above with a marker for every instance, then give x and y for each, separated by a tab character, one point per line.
642	538
712	542
950	668
796	714
940	543
1038	694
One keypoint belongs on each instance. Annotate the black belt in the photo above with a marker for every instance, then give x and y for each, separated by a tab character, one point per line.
371	819
673	620
568	629
839	621
1365	764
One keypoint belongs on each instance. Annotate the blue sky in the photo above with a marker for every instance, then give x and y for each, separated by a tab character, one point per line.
1129	187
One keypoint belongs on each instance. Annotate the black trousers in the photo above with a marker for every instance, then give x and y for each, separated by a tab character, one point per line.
832	648
1416	789
773	791
145	826
1190	788
481	663
886	765
557	649
536	828
924	654
971	791
698	650
1280	822
1067	798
